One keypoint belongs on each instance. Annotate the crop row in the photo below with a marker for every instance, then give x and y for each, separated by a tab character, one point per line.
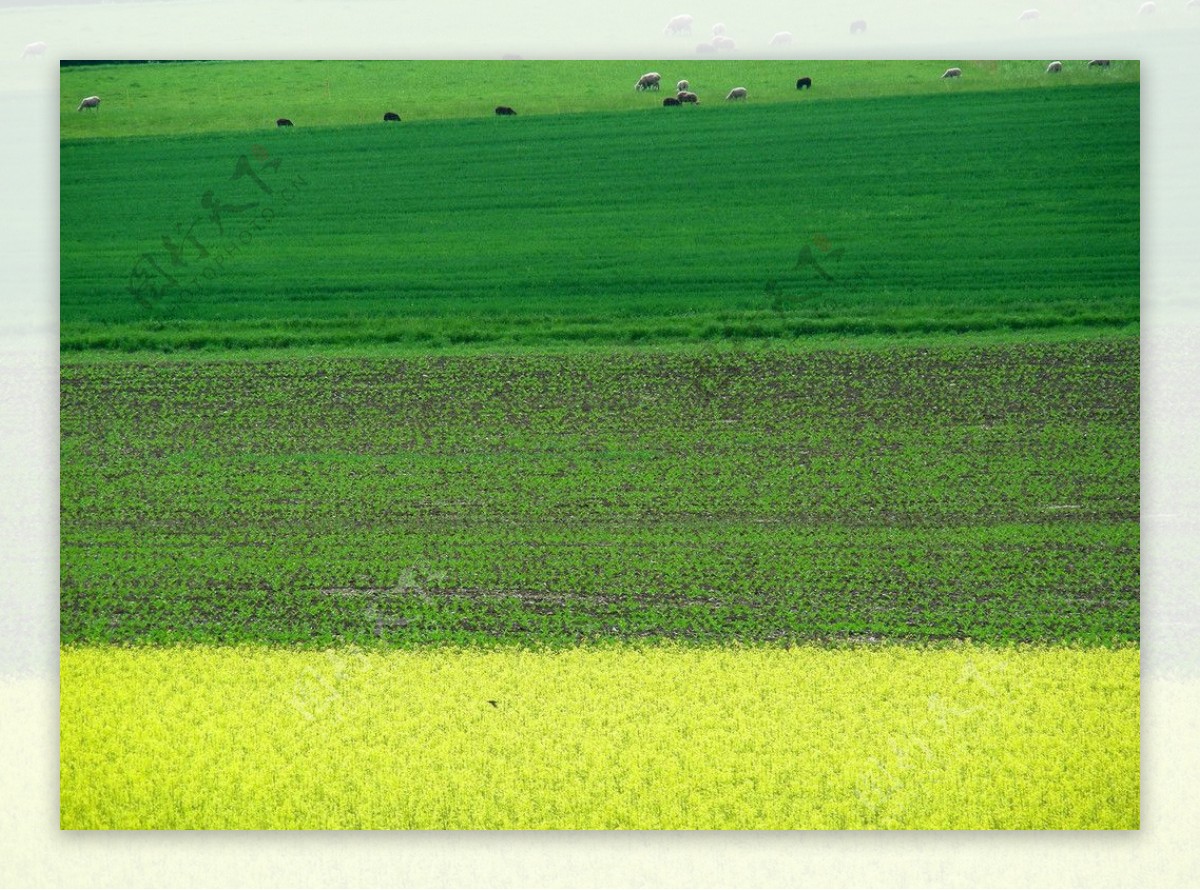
989	493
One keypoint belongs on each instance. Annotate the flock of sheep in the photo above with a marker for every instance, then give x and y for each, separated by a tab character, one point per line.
652	80
1052	68
94	102
683	95
502	110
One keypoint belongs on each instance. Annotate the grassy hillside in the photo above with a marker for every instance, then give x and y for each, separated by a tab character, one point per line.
168	99
921	214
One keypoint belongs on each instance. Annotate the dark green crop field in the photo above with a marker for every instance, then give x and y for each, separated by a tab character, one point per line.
994	212
914	494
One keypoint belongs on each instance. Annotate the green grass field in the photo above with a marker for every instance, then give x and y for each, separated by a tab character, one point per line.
768	465
916	215
171	99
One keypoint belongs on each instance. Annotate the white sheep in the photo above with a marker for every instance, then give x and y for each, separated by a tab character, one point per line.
723	42
1148	8
681	24
648	81
783	38
737	93
1098	63
718	29
89	102
34	49
1029	15
681	87
953	72
1054	68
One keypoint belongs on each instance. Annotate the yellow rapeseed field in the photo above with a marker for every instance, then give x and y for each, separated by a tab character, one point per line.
961	736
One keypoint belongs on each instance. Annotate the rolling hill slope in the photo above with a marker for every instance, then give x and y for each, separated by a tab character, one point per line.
920	215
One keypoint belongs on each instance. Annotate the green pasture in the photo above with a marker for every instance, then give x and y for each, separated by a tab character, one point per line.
993	212
174	98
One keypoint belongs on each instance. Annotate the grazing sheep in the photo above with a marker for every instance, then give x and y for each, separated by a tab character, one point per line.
1099	63
648	81
783	38
1054	68
804	83
1148	8
718	29
681	87
504	110
686	98
681	24
89	102
1029	15
723	42
283	122
858	27
737	93
34	49
391	116
671	100
953	72
703	48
